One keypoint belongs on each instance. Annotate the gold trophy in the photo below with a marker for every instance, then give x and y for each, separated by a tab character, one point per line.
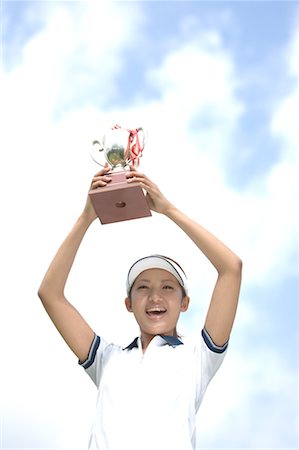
119	200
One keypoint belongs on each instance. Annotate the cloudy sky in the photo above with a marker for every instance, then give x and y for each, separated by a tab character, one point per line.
216	85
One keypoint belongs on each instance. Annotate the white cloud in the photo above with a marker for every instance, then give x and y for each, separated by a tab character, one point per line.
276	229
259	380
244	404
48	171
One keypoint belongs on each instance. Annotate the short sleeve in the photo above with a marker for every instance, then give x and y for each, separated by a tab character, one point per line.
210	357
211	345
98	355
92	353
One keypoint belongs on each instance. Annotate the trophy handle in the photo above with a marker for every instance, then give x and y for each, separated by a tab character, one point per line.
137	140
144	135
97	148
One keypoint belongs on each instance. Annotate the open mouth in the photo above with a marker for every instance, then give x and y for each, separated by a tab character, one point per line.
155	312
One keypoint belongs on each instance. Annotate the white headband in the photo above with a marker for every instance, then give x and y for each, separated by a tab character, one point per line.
156	262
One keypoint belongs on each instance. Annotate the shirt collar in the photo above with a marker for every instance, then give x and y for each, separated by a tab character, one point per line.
173	341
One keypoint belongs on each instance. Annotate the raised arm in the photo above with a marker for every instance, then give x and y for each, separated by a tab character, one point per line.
223	305
71	325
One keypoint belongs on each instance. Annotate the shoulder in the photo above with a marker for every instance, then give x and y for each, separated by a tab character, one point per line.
206	355
99	354
210	344
202	341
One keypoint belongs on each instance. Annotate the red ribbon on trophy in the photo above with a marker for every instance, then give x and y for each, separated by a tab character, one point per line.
134	148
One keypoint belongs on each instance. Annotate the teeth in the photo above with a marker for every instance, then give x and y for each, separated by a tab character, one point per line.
155	310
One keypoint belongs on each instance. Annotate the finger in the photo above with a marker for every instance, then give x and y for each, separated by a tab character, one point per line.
103	171
132	173
132	168
98	184
144	181
137	176
102	177
99	181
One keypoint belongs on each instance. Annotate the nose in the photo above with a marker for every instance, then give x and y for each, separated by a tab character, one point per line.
155	295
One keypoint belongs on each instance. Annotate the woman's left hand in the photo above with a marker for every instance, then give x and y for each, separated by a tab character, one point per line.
156	200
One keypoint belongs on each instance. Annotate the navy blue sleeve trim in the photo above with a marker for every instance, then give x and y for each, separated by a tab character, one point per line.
92	353
210	344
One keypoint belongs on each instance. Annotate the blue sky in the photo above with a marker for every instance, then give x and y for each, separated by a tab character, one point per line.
216	84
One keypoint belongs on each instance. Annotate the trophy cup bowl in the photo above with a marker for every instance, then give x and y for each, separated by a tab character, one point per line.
113	149
118	200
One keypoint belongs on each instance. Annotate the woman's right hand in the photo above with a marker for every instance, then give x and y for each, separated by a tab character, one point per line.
100	179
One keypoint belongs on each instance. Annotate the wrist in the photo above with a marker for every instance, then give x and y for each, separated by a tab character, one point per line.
170	211
87	217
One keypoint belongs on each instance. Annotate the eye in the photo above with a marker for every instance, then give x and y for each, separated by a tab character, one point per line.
168	287
142	286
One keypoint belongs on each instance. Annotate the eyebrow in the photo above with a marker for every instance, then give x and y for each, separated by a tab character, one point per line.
162	281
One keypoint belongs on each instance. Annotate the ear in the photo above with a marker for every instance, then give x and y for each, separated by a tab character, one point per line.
185	303
128	303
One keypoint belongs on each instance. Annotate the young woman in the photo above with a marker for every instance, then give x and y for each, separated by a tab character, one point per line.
150	391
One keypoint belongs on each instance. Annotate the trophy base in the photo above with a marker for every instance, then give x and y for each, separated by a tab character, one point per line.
119	201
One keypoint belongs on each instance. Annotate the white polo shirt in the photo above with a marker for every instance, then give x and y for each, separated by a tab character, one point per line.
149	401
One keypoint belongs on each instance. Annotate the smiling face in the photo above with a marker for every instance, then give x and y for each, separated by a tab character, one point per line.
156	300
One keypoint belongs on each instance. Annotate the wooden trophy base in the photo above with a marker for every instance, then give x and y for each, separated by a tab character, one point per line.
118	200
